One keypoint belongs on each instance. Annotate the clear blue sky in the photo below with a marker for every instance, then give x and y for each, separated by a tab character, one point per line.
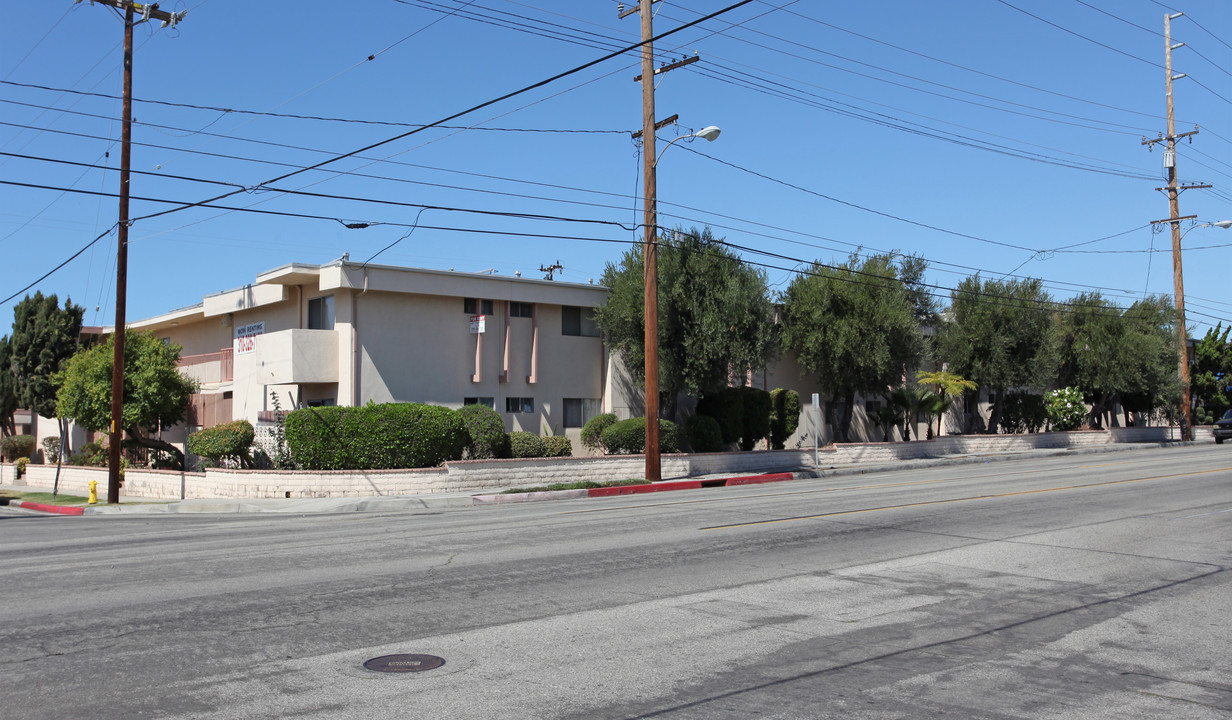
985	135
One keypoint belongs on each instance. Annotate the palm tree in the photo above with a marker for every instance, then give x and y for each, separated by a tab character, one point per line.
949	385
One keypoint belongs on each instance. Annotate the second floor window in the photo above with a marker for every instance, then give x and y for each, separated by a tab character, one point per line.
321	313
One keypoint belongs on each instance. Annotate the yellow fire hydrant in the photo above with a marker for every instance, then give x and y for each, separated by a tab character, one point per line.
93	492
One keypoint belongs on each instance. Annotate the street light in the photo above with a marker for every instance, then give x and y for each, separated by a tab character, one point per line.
1181	335
650	303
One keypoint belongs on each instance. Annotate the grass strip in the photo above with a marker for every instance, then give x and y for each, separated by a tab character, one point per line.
580	485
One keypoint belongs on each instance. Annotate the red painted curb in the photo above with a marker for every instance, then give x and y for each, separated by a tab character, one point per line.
755	479
57	509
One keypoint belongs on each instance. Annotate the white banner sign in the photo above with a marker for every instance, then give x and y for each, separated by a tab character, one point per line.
477	324
246	337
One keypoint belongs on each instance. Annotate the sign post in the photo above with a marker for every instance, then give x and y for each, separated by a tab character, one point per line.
816	429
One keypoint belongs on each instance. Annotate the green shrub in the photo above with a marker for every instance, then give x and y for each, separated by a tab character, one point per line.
592	431
22	462
392	435
1066	409
704	434
92	454
229	441
755	410
17	446
51	449
486	430
784	416
1024	413
527	445
628	437
558	446
727	409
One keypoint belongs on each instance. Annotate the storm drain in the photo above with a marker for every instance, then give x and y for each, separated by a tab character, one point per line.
404	663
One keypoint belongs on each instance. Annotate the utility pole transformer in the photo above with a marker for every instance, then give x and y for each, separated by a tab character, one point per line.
1174	220
148	12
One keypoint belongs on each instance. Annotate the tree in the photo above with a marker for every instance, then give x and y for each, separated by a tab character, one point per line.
8	389
155	393
715	314
1001	334
1108	353
948	386
854	327
44	337
1211	376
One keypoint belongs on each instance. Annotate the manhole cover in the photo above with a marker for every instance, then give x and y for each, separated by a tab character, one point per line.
404	663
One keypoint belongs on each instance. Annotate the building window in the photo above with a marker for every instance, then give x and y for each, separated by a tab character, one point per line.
321	313
519	405
473	306
521	309
578	321
578	411
489	402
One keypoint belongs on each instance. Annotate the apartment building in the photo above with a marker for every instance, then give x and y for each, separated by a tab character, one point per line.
347	333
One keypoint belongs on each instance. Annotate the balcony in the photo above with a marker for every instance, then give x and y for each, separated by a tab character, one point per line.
209	368
298	356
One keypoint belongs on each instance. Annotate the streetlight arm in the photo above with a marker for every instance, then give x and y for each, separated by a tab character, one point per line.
710	133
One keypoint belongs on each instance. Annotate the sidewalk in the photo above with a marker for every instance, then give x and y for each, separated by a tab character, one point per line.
466	500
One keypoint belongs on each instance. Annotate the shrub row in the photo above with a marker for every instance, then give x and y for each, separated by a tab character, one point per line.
407	435
746	415
229	441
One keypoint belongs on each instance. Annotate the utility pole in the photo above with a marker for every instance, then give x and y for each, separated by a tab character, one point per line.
1174	189
148	12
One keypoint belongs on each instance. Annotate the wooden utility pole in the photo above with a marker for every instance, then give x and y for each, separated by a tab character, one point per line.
650	249
1174	220
148	12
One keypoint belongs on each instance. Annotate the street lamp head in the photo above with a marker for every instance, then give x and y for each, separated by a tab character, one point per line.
1225	224
710	133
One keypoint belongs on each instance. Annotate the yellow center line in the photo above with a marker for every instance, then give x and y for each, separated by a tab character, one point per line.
964	499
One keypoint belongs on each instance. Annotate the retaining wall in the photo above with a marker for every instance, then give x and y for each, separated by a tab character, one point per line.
495	475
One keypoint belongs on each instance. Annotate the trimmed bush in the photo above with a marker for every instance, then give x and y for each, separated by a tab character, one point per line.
229	441
558	446
755	410
392	435
92	455
17	446
725	407
1025	413
22	462
486	429
592	431
628	437
705	434
527	445
784	416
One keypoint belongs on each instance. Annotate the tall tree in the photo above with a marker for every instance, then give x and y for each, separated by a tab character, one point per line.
1109	353
715	314
1001	334
155	393
44	337
1211	376
854	327
8	389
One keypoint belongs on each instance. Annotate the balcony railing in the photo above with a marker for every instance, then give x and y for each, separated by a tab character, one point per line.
215	367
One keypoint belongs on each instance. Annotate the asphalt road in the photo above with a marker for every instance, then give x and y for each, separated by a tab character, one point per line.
1087	586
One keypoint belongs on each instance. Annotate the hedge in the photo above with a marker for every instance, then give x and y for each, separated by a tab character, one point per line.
392	435
784	416
628	437
705	434
229	440
558	446
592	431
527	445
17	446
486	430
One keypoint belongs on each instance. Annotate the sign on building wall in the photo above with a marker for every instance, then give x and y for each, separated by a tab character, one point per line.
246	337
477	324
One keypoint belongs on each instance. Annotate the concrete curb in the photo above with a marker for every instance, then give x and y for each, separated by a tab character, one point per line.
44	508
664	486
